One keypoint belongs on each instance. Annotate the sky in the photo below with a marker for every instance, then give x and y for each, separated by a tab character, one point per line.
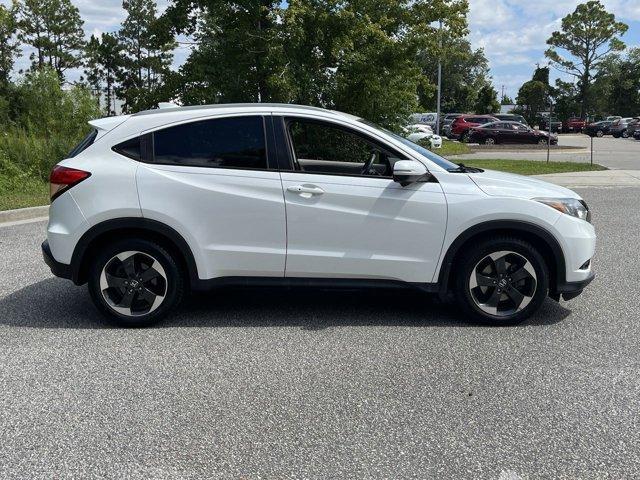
512	32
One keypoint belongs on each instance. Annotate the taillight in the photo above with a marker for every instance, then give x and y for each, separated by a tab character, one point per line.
63	178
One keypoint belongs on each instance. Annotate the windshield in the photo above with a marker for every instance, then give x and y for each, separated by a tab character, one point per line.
437	159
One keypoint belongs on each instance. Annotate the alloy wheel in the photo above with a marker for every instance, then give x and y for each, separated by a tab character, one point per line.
133	283
503	283
542	141
490	141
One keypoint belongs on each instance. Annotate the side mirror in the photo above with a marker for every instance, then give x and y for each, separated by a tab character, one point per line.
406	172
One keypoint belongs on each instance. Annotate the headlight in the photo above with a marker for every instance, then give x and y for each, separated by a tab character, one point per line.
570	206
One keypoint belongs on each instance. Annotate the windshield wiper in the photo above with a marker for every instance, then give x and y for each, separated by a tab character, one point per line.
462	168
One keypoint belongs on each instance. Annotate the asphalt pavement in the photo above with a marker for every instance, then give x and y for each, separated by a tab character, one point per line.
616	153
323	384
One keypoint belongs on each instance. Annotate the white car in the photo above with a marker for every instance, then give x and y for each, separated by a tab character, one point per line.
418	132
157	203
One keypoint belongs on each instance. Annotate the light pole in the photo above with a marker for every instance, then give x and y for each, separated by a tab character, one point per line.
439	80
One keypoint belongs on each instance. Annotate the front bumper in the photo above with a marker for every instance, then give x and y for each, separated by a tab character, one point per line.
570	290
61	270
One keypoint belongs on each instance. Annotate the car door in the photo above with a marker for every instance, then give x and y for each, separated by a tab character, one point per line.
343	222
210	180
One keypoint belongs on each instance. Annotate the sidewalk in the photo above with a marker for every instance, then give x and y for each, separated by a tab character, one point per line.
604	178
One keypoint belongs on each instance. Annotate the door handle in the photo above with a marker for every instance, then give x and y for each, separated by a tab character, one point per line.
306	190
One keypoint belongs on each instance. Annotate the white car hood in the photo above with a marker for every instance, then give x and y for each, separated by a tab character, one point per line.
511	185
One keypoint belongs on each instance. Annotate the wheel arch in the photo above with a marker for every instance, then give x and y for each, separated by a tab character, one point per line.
134	227
540	238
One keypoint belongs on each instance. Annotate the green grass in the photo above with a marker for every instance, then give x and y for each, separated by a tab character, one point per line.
532	167
22	192
452	148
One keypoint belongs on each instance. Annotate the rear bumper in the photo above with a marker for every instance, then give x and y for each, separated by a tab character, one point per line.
61	270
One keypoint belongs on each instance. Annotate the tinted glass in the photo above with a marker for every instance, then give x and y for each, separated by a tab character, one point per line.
324	148
236	142
84	144
130	148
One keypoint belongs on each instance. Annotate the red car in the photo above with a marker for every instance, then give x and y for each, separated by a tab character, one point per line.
461	125
574	124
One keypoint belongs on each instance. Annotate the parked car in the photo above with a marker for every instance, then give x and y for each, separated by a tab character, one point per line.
598	129
425	119
269	194
461	125
556	125
619	127
633	126
511	117
574	124
418	132
509	132
446	121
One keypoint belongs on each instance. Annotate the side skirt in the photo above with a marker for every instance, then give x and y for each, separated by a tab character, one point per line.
322	283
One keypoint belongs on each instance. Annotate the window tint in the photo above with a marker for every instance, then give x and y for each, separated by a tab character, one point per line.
130	148
236	142
324	148
84	144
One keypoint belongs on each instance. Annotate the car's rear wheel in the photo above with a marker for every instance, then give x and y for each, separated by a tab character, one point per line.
135	283
542	141
501	281
625	134
599	133
464	138
490	141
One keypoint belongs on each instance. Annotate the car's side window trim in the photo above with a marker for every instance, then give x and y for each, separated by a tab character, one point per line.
290	165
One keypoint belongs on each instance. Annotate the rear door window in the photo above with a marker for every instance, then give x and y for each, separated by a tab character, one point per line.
235	142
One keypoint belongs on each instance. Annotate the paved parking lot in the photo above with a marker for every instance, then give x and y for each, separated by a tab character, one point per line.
292	384
619	153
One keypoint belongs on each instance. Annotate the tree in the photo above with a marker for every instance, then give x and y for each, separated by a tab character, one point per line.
587	35
464	72
487	101
9	45
616	87
532	99
54	29
148	57
506	100
103	66
357	56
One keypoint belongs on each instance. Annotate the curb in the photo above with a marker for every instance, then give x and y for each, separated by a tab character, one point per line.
24	214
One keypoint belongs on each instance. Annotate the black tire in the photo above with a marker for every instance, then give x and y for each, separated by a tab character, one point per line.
599	134
172	283
471	258
464	138
625	135
490	141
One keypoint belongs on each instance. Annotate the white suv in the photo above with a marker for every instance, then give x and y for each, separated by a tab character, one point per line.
152	205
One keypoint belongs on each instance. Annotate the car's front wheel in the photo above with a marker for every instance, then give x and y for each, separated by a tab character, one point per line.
135	282
501	281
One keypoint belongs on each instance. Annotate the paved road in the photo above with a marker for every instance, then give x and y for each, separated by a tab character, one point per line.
267	384
623	153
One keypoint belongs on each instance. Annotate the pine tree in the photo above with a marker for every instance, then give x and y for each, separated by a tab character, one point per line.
54	29
146	57
103	66
9	45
